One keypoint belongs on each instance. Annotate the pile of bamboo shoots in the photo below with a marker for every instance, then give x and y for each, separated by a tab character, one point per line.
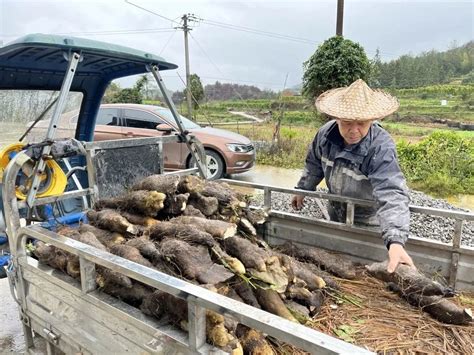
206	233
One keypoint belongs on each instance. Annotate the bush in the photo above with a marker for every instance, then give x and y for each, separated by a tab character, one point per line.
441	164
337	62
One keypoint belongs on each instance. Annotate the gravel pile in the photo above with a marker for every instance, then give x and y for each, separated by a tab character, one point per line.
422	225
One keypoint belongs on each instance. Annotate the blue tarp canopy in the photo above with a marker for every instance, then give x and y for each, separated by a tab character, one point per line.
39	62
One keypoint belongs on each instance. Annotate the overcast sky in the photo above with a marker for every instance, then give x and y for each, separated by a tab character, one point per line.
240	55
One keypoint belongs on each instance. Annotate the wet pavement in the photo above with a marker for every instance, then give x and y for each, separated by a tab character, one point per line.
270	175
11	332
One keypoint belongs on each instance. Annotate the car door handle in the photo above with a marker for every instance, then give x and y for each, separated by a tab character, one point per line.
130	134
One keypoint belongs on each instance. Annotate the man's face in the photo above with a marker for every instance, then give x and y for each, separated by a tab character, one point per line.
353	131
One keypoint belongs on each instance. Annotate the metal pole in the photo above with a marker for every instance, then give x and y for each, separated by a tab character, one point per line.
194	145
188	75
73	60
340	17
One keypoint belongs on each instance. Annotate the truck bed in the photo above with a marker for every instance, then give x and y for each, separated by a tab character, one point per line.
77	317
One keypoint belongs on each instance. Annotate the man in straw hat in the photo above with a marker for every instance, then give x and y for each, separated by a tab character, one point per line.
357	158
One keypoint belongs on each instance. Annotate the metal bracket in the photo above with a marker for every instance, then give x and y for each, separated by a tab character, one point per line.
195	147
71	173
453	269
267	199
51	336
350	214
73	59
24	318
196	325
87	268
12	278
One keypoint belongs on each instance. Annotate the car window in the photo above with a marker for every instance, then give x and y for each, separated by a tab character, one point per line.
108	117
140	119
166	114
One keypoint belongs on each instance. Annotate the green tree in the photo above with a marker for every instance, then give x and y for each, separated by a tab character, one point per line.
375	70
337	62
428	68
197	90
132	95
112	90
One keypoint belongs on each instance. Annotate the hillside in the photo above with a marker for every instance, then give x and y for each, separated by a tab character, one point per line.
428	68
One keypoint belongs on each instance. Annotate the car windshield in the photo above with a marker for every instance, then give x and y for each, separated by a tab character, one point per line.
167	115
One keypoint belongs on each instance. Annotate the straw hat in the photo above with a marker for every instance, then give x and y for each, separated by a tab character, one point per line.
356	102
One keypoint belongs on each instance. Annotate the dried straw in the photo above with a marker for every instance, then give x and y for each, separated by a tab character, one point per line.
379	320
356	102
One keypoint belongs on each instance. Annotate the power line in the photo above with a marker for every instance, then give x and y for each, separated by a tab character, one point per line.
194	98
258	32
183	25
167	42
121	33
214	64
151	12
274	34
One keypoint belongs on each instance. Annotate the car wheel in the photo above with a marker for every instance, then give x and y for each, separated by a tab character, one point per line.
215	165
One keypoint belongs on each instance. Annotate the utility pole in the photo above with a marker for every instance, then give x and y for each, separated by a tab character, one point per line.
186	18
340	17
186	29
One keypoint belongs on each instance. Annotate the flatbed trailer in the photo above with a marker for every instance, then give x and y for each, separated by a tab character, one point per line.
74	316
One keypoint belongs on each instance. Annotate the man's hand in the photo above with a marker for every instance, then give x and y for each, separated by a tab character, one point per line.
297	202
398	255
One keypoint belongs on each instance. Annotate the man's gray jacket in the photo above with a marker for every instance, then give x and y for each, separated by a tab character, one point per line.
366	170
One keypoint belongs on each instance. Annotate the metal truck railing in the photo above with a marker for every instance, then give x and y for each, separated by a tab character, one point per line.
449	260
198	299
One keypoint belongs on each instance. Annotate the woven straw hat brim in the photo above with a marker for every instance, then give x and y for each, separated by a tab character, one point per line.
359	104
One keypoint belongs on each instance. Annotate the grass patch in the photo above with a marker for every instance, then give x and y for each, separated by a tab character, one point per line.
442	164
293	147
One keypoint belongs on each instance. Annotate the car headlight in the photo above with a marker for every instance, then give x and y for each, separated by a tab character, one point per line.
240	148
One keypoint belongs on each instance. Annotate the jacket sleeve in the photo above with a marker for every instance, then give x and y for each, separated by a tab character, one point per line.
391	194
313	170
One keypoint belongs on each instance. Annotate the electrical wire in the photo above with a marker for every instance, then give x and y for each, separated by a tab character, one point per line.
217	68
192	96
168	41
258	32
199	20
118	32
151	12
274	34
